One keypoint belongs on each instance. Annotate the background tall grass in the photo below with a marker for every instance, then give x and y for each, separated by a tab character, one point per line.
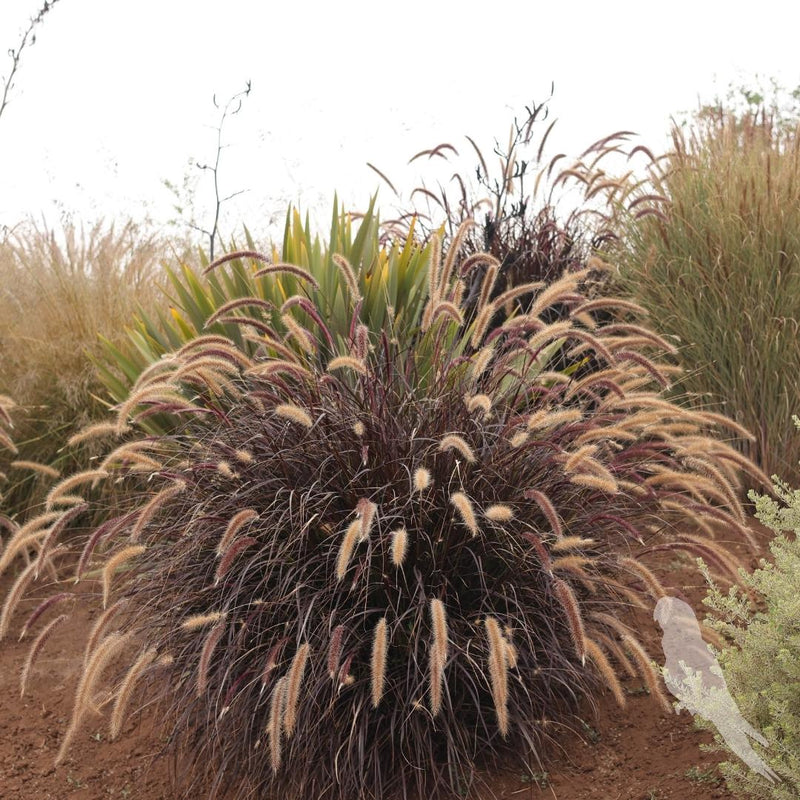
711	246
60	289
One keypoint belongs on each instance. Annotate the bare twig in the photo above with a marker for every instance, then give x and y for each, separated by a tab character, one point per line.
28	39
231	107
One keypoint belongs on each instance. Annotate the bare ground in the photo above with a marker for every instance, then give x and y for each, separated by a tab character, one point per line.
639	753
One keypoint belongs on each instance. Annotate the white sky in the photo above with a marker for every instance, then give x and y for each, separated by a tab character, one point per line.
116	96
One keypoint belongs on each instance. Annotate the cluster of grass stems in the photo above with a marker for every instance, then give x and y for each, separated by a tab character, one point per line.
61	289
366	567
711	247
518	199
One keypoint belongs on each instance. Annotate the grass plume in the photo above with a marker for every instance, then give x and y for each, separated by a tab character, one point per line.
293	684
125	690
380	648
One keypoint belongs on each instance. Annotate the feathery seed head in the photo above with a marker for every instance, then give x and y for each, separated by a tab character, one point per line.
126	690
349	276
519	439
347	362
275	729
499	513
294	413
571	543
293	684
452	441
464	507
224	469
236	522
115	561
244	456
197	621
440	646
35	466
380	647
422	479
480	361
569	603
366	511
399	546
498	672
335	650
351	538
477	402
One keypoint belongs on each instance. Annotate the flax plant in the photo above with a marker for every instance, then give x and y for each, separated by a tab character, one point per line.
240	296
388	586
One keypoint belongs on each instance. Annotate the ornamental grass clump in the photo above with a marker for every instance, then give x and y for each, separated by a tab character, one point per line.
61	289
711	247
364	568
517	197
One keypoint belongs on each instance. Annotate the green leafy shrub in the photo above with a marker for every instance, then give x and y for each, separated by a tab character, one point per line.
60	289
711	247
363	567
762	664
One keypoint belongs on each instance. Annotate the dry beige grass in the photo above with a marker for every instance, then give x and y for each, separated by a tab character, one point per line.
59	290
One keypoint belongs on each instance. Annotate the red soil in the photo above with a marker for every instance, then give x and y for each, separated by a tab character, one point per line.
639	753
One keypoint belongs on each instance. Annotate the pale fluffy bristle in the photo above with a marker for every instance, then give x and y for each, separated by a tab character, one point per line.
276	722
498	672
115	561
477	402
606	670
295	680
347	362
481	360
351	537
519	439
378	662
197	621
422	479
452	441
399	546
438	653
499	513
126	690
294	413
464	507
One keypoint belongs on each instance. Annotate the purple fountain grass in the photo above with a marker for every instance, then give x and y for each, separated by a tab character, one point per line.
320	593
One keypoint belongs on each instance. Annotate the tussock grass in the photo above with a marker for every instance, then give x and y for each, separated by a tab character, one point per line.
285	611
60	289
711	248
